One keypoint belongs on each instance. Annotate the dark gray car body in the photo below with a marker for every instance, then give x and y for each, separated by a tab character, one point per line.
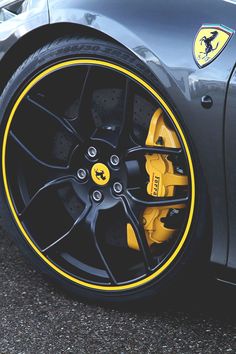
161	33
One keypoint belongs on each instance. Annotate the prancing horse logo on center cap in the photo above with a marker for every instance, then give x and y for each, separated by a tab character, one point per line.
100	174
210	42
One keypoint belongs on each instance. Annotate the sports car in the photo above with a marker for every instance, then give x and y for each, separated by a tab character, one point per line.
117	135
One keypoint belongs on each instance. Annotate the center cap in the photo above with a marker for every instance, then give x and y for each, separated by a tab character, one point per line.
100	174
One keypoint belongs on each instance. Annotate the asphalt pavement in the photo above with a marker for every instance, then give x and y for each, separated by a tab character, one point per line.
36	317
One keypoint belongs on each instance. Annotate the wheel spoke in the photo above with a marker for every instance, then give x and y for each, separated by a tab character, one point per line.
28	154
63	122
85	87
69	232
81	102
90	223
139	232
86	223
117	136
142	150
149	201
109	136
84	113
127	113
126	123
49	185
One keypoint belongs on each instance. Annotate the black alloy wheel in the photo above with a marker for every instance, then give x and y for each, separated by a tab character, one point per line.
82	179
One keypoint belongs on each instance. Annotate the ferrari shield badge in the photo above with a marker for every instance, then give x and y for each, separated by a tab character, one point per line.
209	43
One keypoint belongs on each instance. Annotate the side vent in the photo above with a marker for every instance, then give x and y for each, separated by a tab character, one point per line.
11	9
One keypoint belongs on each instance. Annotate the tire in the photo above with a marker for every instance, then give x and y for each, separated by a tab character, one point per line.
39	72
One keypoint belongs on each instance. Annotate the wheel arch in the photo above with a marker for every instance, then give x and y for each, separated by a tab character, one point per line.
37	38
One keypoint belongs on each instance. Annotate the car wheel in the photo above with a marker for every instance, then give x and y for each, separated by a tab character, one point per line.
99	181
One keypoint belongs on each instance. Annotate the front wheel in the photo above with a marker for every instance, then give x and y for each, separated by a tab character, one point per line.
98	178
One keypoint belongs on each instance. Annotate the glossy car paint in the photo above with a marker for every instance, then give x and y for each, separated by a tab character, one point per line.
161	34
14	29
230	148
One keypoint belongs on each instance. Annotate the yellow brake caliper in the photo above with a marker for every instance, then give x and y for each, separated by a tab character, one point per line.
162	183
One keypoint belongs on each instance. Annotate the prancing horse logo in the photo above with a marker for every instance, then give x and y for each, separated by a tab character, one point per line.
100	175
209	47
210	42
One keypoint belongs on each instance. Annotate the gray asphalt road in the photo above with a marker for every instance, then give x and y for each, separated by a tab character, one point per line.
37	318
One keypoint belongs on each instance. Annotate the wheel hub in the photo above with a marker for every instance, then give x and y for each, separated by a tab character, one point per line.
101	174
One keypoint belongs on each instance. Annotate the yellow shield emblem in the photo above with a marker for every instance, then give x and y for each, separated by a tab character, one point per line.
209	43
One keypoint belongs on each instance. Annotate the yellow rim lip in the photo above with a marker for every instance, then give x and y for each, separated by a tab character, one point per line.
5	181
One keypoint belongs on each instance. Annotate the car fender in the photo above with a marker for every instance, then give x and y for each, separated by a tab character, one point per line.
18	26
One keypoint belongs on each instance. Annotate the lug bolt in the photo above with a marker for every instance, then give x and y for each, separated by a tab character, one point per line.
92	151
97	196
117	187
81	174
114	160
